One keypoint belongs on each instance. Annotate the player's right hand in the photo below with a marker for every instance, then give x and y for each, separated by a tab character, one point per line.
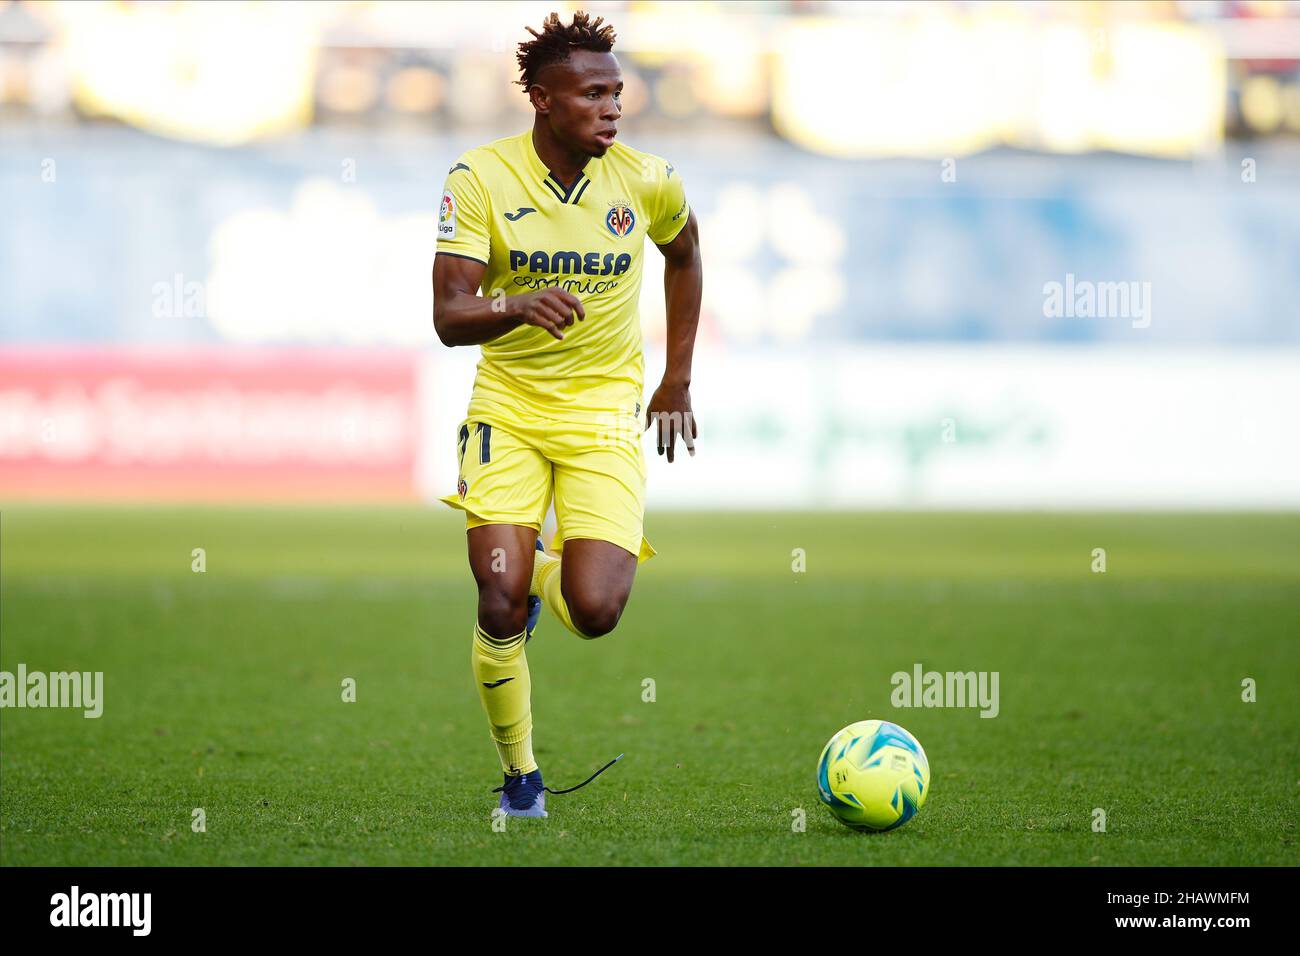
551	309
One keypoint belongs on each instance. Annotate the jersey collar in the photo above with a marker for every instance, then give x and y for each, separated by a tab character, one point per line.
543	175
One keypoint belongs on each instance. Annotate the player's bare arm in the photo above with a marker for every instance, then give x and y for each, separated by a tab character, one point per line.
670	406
463	317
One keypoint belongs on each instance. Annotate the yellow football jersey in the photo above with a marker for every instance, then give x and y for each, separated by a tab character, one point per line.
502	207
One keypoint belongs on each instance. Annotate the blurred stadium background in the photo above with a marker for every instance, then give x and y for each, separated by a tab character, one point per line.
218	225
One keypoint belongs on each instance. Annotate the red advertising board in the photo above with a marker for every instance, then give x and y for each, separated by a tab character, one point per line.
213	423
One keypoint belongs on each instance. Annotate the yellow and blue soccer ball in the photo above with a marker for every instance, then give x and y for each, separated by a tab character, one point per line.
873	775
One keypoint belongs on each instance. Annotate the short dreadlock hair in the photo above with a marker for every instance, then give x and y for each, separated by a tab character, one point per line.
557	39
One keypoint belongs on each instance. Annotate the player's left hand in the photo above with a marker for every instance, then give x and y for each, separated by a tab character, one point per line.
670	410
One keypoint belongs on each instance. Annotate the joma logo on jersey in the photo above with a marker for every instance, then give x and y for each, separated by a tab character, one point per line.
571	263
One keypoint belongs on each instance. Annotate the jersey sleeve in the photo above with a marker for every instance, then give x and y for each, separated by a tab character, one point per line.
670	209
463	214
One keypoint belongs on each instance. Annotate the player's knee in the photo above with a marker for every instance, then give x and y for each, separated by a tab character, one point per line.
500	612
594	615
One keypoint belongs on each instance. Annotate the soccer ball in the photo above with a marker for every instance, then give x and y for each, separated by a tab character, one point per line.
873	775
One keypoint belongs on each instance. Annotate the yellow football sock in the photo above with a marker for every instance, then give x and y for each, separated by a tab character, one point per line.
501	674
546	581
540	560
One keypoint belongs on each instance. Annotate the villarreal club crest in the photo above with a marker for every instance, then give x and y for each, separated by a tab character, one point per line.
620	219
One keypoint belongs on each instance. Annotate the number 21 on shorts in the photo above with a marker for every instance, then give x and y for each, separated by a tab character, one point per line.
484	432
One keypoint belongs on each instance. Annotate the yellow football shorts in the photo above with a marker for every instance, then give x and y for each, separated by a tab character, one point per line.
511	465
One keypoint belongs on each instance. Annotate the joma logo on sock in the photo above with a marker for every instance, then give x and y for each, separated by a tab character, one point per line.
947	689
84	690
102	909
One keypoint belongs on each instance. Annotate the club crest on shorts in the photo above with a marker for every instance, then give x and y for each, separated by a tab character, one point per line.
462	489
620	219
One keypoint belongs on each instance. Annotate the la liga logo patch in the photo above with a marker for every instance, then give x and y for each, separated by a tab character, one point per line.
620	219
447	217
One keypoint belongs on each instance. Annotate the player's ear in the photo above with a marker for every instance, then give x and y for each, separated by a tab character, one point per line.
541	101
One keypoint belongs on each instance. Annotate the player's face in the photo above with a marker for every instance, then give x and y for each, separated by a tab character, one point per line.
584	99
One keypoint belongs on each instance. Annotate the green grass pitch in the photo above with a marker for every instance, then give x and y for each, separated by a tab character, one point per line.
1120	691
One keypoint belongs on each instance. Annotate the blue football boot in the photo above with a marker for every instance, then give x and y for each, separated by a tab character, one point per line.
523	796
